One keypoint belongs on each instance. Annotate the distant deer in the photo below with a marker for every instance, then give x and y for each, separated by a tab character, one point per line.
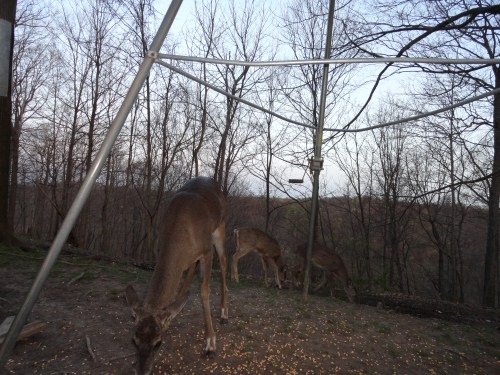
332	266
193	224
253	239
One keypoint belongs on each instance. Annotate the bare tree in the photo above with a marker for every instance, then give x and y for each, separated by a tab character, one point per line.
447	149
246	43
7	14
390	145
30	64
356	160
447	29
274	139
202	41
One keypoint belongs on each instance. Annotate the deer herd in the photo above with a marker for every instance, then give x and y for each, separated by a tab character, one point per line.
193	225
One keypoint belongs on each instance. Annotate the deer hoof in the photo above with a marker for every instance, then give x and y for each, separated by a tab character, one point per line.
224	320
210	354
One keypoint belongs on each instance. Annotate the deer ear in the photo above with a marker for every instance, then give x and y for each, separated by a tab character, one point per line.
132	299
171	311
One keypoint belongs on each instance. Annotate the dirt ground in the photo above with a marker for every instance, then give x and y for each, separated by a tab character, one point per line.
270	331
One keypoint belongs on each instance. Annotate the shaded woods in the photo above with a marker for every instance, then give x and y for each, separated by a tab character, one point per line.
418	263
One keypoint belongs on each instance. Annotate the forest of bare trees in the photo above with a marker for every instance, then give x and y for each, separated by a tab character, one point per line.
412	208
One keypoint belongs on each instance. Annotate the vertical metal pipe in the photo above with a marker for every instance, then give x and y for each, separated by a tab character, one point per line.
88	183
315	162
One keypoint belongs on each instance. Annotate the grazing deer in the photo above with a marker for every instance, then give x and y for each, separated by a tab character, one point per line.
332	266
193	224
253	239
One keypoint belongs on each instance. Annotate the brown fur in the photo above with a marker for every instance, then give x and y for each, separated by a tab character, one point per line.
331	264
193	224
253	239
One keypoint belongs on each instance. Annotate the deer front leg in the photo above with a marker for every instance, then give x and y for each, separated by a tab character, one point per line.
206	267
331	283
276	272
321	283
274	266
264	267
350	290
187	279
234	267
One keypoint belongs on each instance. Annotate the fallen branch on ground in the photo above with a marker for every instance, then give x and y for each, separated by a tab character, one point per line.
89	348
28	330
75	279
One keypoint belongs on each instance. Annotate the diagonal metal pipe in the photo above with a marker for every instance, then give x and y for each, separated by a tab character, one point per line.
88	183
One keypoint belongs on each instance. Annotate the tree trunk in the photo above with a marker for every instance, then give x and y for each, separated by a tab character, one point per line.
7	17
492	239
203	124
221	154
15	135
269	161
105	247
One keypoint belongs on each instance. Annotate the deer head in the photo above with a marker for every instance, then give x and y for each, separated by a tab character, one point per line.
150	327
282	269
350	291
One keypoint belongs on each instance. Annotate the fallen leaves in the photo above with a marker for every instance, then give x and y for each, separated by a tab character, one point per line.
270	331
279	335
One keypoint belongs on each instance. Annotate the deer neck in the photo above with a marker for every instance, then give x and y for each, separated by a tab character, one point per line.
164	281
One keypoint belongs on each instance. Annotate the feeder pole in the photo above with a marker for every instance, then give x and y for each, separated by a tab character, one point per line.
316	162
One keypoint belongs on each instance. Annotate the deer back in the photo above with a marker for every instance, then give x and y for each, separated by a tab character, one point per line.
258	240
325	259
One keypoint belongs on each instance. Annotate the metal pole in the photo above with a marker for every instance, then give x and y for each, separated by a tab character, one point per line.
317	160
328	60
88	183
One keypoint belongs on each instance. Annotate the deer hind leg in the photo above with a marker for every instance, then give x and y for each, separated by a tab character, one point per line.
187	279
234	262
297	275
206	268
218	240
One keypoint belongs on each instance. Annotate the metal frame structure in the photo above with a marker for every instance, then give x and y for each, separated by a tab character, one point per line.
88	183
152	56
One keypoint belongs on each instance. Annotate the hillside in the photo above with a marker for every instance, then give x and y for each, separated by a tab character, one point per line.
270	330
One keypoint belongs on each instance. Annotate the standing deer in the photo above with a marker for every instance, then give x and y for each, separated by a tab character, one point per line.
193	224
253	239
332	266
